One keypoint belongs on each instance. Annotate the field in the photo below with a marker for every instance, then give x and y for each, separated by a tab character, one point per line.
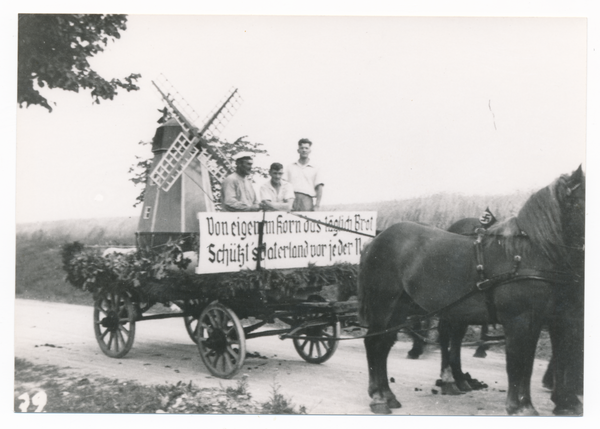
440	210
39	273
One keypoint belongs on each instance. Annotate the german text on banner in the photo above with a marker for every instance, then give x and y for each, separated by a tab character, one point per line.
230	241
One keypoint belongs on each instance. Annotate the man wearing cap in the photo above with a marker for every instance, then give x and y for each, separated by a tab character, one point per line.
306	180
237	193
277	194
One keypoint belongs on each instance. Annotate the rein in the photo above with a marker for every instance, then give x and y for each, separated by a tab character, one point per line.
481	286
485	285
330	225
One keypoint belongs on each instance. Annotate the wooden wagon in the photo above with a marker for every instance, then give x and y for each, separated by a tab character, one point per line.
217	328
223	306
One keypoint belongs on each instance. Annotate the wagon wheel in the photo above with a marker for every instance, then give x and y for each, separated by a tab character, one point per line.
221	340
114	323
191	320
319	350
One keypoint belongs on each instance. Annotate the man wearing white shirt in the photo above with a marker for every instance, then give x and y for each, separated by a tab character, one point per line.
277	194
306	180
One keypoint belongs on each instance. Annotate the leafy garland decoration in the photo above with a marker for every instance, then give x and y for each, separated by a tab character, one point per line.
160	276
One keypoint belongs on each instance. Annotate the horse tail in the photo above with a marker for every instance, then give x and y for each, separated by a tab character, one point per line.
379	284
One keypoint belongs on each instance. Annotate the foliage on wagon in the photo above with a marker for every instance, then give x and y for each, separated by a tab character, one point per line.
161	276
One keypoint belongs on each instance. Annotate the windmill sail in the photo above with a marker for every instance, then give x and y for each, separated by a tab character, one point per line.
193	142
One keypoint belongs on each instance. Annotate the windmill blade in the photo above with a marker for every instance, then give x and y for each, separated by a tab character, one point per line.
214	124
218	119
193	141
177	105
174	162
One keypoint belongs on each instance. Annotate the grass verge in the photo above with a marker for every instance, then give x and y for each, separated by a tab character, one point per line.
53	390
40	276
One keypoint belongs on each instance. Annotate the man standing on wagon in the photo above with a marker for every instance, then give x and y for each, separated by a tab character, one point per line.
237	192
306	180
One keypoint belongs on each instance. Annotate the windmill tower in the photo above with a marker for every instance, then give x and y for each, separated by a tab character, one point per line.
179	185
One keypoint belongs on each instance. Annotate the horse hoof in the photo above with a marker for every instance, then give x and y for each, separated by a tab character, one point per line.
450	389
380	409
576	410
480	354
529	411
394	403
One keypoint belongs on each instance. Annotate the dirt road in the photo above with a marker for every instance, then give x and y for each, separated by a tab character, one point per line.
62	334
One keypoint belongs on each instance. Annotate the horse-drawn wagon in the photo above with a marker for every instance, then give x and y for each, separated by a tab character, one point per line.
231	297
252	274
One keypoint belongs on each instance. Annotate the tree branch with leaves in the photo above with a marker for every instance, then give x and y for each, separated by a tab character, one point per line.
54	50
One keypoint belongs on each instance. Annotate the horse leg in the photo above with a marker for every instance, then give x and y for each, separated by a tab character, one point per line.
415	332
448	383
566	351
378	348
522	332
392	402
481	350
548	380
458	333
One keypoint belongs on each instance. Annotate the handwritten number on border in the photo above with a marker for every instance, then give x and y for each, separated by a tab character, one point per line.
39	399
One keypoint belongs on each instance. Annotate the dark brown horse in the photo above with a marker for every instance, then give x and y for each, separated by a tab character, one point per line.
530	262
447	333
454	381
451	333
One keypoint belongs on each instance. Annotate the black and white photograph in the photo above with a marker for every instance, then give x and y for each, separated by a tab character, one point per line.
313	211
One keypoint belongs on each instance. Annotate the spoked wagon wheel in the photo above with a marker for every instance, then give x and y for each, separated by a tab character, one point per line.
319	350
191	320
114	323
315	344
221	340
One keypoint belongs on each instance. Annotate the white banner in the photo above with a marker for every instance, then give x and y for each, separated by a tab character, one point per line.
229	241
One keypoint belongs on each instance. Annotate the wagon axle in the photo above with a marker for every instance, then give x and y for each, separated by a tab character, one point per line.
111	321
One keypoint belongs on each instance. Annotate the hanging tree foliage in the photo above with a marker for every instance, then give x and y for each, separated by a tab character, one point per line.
54	50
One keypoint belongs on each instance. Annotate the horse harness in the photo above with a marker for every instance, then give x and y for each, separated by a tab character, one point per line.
485	284
488	284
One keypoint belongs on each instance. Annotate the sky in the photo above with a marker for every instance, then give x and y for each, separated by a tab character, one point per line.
397	107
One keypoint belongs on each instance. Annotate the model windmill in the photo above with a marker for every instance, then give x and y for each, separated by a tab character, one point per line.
179	185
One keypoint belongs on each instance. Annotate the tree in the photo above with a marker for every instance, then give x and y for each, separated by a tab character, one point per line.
54	52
